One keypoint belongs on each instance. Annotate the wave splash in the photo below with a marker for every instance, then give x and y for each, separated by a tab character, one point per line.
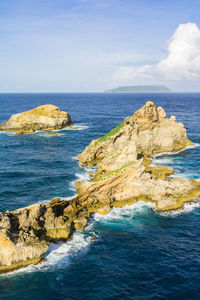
188	208
59	132
126	212
176	152
61	255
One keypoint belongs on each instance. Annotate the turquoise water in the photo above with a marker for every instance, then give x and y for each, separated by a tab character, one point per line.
138	254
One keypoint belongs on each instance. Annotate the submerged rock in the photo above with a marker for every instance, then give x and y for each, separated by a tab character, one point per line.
45	117
124	176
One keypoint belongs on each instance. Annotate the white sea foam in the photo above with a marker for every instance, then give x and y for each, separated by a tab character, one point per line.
83	176
47	135
72	186
185	174
74	127
80	127
59	132
74	158
80	177
127	211
7	133
59	255
161	161
176	152
197	145
91	169
188	207
68	198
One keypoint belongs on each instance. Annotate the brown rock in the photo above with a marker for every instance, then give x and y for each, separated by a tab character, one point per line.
92	239
45	117
124	176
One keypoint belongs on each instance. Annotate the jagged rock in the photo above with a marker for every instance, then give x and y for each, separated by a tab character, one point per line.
45	117
25	233
148	131
124	176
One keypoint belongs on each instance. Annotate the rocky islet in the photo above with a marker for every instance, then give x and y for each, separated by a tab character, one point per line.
46	117
124	176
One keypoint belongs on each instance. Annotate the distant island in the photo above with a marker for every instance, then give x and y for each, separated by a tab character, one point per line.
139	89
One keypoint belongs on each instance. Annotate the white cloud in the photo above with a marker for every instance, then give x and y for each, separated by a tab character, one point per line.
182	62
123	74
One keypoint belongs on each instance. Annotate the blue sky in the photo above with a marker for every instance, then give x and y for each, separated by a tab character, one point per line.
92	45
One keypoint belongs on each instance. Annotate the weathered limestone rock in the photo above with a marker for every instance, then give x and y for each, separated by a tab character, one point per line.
135	184
25	233
124	176
147	132
45	117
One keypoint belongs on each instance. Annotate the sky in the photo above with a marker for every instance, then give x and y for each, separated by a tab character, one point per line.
94	45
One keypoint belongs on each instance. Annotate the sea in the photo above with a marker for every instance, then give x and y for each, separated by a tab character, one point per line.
138	253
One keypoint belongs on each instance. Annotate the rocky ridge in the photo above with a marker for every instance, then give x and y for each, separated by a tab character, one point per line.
124	176
46	117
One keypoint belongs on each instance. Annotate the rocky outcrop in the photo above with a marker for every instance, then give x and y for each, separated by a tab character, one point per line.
124	176
45	117
25	233
132	183
123	157
147	132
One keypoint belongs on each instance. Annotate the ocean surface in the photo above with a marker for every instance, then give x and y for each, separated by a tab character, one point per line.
139	253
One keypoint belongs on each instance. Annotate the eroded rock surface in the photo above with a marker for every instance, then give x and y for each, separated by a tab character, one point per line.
123	158
147	132
124	176
25	233
45	117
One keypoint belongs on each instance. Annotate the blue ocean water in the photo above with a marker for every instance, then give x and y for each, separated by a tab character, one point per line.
138	254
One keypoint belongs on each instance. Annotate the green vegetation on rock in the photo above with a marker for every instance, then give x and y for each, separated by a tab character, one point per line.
115	172
109	134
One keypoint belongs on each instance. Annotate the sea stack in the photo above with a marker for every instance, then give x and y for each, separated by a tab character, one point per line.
46	117
124	176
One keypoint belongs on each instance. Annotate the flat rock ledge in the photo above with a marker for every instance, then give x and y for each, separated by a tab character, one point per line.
46	117
124	176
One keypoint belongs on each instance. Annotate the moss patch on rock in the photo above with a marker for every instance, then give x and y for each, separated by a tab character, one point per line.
114	173
109	135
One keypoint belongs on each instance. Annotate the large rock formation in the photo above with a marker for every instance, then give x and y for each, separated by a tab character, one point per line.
124	176
123	158
25	233
147	132
45	117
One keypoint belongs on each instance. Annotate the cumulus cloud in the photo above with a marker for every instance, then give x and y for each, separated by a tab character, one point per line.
181	63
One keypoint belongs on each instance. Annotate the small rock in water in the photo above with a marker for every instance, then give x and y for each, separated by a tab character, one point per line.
92	239
52	133
42	118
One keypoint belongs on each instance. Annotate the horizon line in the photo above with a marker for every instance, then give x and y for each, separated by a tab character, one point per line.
104	92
